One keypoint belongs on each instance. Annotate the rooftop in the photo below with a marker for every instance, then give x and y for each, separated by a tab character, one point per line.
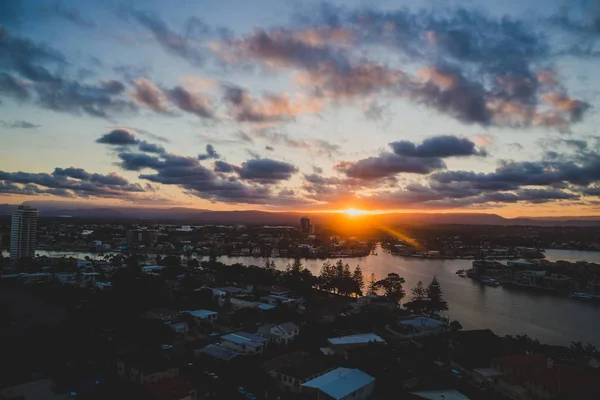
423	323
219	352
354	339
200	313
245	338
298	365
169	389
340	382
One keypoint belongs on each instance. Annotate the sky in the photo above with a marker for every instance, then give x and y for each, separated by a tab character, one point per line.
435	106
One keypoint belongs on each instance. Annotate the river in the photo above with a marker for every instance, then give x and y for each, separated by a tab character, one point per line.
551	319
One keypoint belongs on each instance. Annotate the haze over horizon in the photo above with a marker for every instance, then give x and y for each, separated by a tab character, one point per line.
319	106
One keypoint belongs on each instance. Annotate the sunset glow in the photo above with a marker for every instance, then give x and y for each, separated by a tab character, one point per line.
354	211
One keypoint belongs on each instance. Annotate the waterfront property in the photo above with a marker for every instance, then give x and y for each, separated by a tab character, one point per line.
341	383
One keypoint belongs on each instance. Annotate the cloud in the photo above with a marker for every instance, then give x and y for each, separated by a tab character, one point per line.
269	148
272	108
211	153
191	103
19	124
169	40
118	137
72	15
148	95
265	170
388	165
69	182
243	136
123	137
13	87
438	146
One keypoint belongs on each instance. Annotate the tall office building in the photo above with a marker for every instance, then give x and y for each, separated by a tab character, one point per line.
305	226
22	233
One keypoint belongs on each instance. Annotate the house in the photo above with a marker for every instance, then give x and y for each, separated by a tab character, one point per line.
172	389
202	315
146	368
219	294
180	327
281	333
341	383
220	353
292	370
275	300
245	343
162	314
422	326
341	344
521	364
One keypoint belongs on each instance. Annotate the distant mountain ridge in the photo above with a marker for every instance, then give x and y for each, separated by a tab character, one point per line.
197	216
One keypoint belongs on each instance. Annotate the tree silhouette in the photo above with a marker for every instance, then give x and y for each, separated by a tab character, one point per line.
372	285
436	303
357	277
392	287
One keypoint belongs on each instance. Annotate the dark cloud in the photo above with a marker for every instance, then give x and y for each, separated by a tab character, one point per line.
269	148
150	147
168	39
438	146
69	182
18	124
211	153
191	103
265	170
223	167
388	165
137	162
118	137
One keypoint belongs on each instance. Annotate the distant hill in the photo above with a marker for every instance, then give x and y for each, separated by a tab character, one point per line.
197	216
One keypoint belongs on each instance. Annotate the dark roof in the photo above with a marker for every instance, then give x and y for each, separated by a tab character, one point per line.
475	349
299	365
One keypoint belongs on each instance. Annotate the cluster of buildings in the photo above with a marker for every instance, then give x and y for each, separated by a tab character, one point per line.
556	277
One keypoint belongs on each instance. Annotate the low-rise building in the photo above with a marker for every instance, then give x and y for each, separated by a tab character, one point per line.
279	333
223	354
292	370
203	315
422	326
342	343
172	389
143	369
245	343
68	278
341	383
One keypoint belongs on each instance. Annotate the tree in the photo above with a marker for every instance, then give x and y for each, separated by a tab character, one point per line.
419	302
419	292
372	285
392	287
436	303
357	277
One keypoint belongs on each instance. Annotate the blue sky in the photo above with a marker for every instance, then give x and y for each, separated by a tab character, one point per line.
285	105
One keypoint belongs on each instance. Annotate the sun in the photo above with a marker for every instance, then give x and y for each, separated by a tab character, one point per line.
354	211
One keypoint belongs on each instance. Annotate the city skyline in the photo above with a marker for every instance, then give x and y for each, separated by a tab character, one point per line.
468	107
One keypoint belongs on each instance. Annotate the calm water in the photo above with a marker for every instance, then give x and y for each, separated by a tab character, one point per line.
552	319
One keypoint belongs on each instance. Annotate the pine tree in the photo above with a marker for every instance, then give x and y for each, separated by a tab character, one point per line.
419	292
372	285
357	276
436	303
392	286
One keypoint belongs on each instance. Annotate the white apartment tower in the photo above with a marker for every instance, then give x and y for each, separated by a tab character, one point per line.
22	233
